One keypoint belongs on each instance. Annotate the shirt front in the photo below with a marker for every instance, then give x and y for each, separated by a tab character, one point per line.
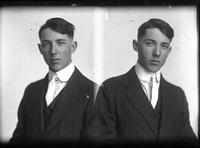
61	79
151	89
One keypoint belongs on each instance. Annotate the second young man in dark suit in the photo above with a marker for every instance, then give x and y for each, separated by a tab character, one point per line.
140	105
53	109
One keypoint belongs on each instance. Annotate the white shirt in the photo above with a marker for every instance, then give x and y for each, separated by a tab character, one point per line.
145	77
62	77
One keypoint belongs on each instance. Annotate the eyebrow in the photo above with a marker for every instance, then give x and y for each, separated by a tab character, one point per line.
165	43
56	40
149	40
61	40
45	41
155	41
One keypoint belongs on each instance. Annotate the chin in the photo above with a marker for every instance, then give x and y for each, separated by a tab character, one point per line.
153	69
55	69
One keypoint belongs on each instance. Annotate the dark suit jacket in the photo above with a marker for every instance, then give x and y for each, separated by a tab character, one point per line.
68	117
122	112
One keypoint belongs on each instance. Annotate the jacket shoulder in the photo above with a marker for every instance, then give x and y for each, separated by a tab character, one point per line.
34	84
172	87
114	80
175	93
117	80
87	82
113	85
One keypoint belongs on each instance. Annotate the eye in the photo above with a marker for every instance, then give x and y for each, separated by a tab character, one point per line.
165	46
60	43
149	43
46	44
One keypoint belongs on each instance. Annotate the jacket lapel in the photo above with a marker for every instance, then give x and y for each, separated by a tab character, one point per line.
137	97
168	106
67	97
36	103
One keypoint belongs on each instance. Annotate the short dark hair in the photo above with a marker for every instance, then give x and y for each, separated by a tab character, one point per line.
59	25
163	26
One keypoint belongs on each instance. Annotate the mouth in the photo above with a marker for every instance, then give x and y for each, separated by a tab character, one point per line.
55	60
155	62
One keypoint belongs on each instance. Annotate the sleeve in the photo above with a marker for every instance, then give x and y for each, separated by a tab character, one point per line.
101	125
186	132
19	133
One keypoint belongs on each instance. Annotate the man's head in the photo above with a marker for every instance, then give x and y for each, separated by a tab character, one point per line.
153	44
57	45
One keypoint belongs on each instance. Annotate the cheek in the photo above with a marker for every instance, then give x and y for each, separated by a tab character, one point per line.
164	56
165	53
145	51
66	51
145	54
45	54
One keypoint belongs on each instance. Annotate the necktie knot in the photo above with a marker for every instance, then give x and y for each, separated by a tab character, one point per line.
56	79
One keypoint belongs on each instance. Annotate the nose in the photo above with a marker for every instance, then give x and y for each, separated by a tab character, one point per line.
156	51
53	49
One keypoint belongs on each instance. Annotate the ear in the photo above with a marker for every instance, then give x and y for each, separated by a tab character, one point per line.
74	46
40	47
135	45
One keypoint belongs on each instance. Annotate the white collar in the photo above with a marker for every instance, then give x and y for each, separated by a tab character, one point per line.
64	74
145	75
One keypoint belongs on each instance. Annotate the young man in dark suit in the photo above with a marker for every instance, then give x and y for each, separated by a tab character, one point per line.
140	105
54	109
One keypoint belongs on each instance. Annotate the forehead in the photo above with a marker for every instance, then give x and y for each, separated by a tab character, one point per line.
156	35
51	35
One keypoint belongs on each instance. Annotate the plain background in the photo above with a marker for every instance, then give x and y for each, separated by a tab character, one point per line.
104	37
